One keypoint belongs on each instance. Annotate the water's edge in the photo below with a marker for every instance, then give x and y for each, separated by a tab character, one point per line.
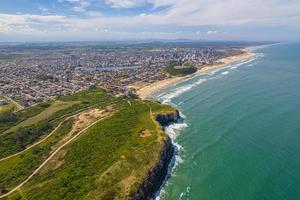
179	125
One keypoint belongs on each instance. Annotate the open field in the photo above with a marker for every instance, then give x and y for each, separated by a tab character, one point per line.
18	166
108	161
15	104
8	107
16	169
43	118
55	106
20	116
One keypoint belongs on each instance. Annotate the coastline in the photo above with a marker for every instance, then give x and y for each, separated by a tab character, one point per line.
145	92
167	163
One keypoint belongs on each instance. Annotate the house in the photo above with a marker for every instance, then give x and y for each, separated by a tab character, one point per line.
2	102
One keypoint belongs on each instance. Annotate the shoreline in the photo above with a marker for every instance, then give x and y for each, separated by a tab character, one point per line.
145	92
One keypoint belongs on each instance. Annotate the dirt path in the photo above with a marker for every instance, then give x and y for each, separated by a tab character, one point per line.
16	104
39	142
157	124
51	156
35	144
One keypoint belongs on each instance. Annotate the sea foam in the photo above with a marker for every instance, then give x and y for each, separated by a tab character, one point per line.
168	96
225	73
180	90
174	129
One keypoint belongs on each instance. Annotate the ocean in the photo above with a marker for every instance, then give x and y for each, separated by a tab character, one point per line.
240	137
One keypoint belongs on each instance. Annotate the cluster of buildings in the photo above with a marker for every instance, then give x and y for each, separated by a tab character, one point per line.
43	75
2	102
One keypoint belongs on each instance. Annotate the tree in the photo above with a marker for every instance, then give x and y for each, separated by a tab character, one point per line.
7	116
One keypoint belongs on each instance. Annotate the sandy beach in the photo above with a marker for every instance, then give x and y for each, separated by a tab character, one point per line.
146	91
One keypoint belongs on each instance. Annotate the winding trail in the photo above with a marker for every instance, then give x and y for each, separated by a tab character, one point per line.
52	155
42	140
16	104
39	142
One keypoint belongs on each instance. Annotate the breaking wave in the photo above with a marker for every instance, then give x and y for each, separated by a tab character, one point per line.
180	90
173	130
168	96
225	73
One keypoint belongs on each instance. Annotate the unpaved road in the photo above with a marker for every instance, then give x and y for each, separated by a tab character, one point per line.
51	156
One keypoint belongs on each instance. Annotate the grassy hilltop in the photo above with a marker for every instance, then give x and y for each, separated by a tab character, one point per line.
109	159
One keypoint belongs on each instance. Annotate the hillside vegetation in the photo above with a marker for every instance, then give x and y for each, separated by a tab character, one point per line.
176	69
109	160
30	125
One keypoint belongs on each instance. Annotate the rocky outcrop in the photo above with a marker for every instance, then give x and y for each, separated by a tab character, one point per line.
157	175
166	118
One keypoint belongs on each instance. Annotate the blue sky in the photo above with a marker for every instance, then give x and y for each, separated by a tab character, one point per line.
96	20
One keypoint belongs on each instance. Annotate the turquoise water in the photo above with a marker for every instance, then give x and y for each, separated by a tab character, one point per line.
241	135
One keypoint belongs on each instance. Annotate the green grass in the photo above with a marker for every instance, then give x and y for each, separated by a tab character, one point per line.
83	98
55	107
176	70
16	169
108	161
23	115
7	107
160	108
43	118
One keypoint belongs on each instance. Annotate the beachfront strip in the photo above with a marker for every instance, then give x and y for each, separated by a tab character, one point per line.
31	74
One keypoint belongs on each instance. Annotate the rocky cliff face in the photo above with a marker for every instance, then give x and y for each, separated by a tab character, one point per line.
157	175
167	118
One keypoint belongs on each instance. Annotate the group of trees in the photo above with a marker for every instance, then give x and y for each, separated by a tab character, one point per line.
176	68
7	117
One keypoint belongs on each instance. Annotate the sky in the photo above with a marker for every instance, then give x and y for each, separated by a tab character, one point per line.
101	20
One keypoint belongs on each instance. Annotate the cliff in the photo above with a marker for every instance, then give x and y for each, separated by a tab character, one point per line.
157	175
166	118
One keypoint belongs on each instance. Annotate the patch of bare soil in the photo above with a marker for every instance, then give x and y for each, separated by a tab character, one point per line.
82	120
145	133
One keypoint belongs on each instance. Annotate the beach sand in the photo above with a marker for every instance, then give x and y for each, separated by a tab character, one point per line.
146	91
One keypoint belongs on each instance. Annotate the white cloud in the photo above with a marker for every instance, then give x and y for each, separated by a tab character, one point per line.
93	13
125	3
179	13
212	32
28	24
44	9
208	12
79	9
80	5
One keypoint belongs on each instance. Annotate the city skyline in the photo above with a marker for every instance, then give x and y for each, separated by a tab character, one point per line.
98	20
